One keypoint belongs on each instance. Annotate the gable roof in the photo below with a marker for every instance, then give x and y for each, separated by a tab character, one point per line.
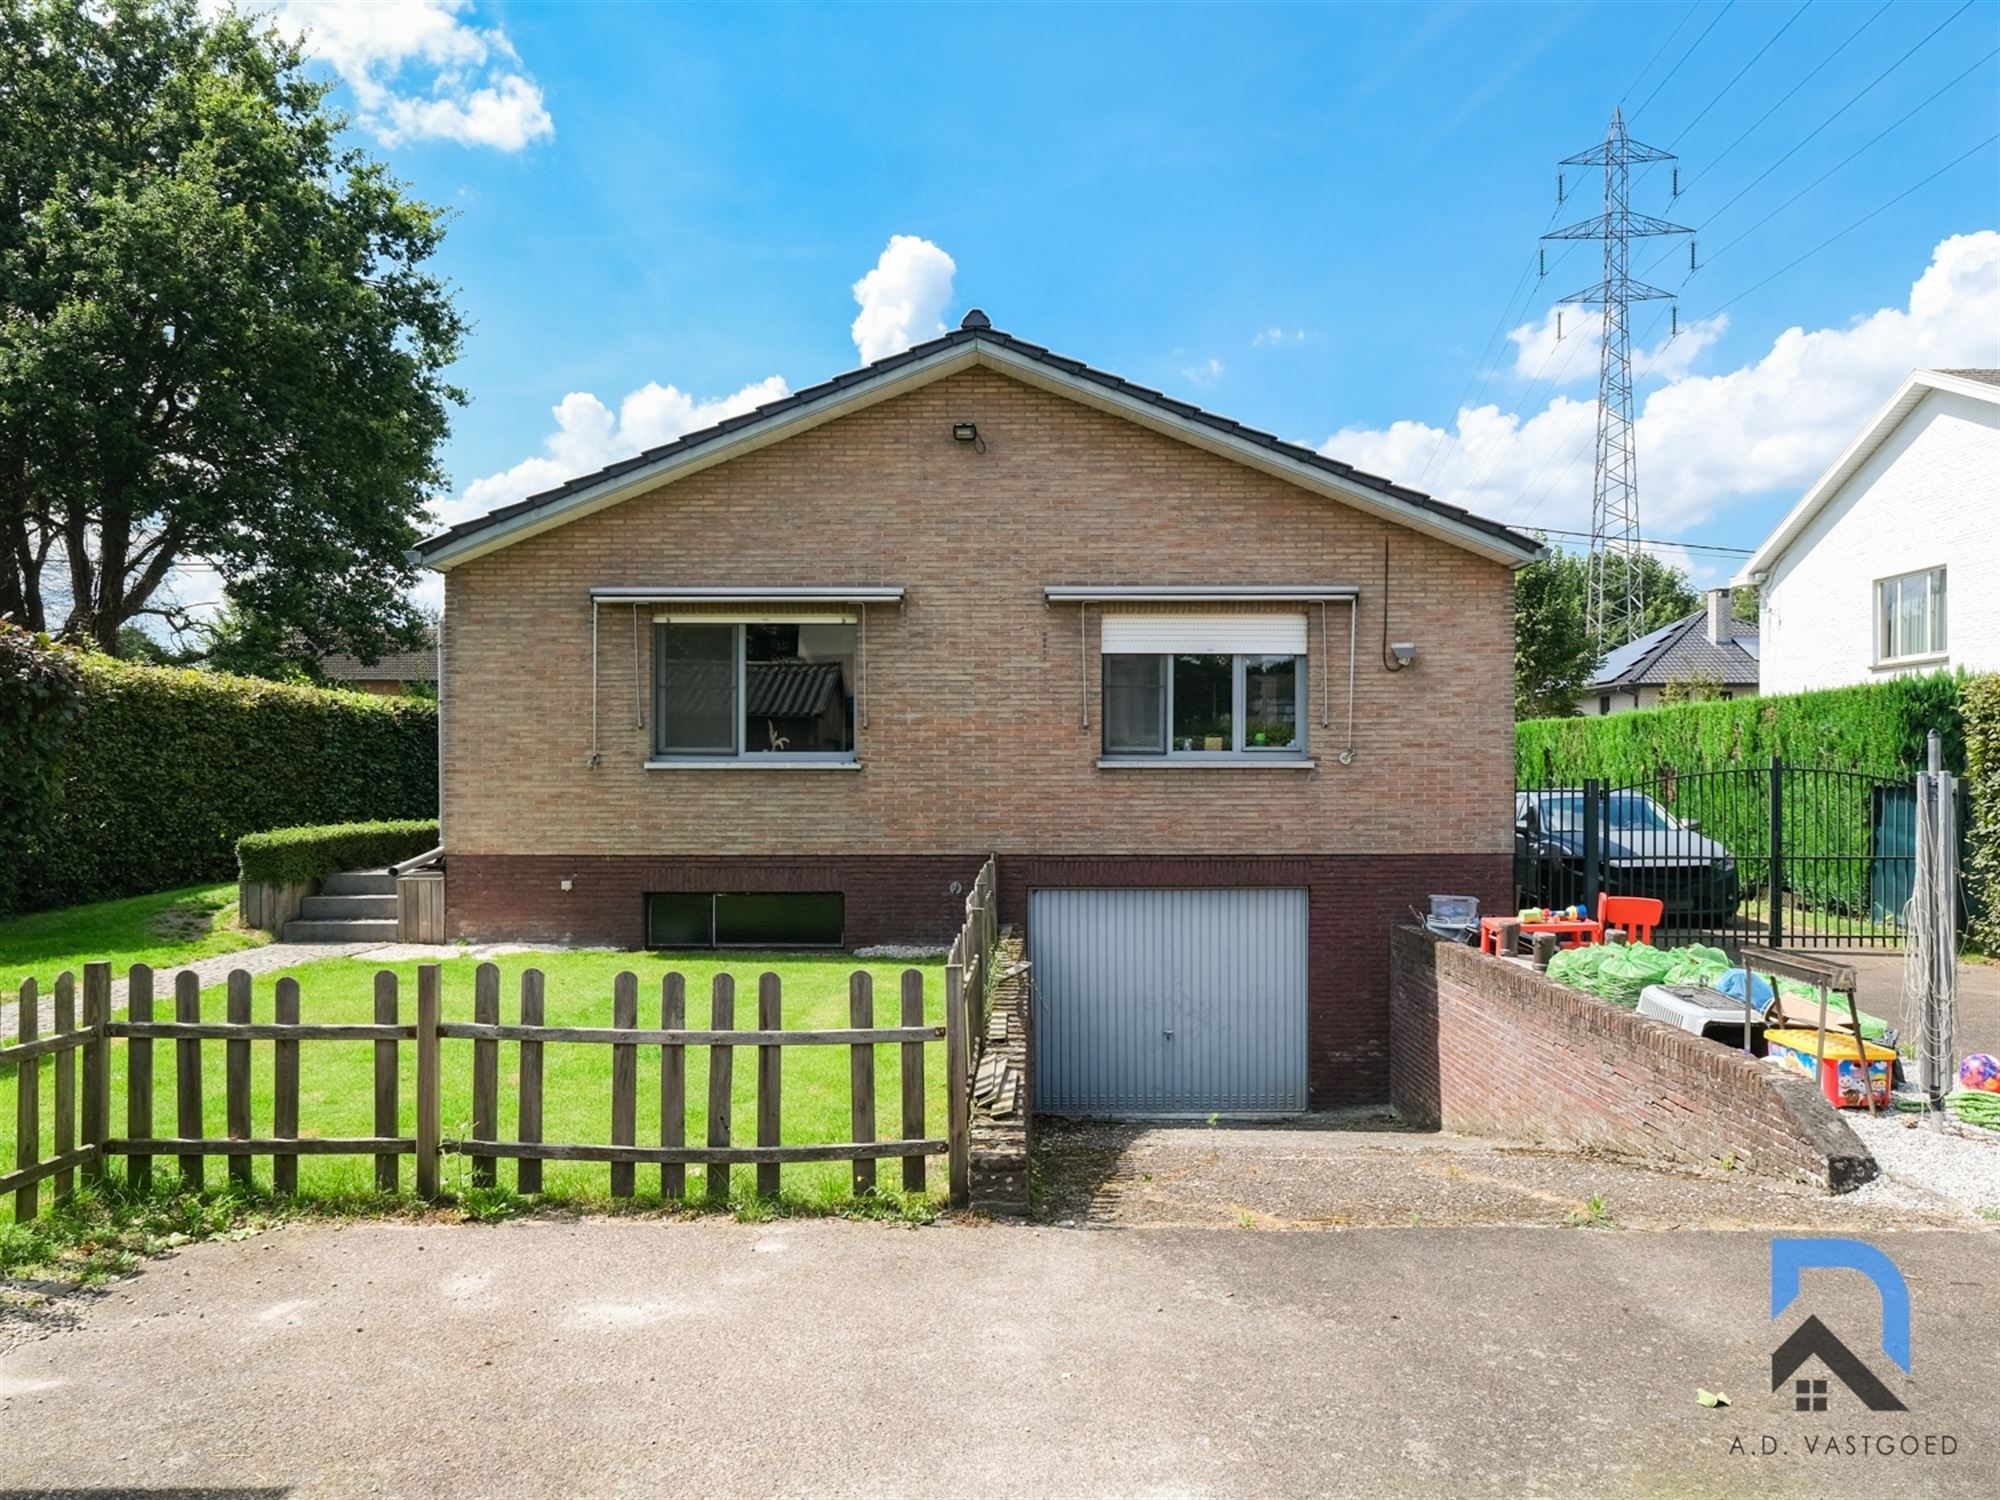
1680	650
397	666
974	343
1981	385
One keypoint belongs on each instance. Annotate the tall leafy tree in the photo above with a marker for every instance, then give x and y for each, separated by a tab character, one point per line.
219	339
1553	654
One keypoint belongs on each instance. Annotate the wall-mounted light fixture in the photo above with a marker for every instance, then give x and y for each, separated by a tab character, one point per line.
968	432
1404	652
1399	654
569	882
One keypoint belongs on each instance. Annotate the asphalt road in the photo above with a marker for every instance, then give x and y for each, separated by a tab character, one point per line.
633	1356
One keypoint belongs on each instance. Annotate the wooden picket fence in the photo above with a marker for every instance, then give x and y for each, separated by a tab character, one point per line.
82	1139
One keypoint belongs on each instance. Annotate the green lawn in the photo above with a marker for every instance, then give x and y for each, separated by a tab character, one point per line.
336	1078
167	927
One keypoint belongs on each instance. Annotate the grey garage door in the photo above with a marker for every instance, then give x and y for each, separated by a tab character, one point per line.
1169	1002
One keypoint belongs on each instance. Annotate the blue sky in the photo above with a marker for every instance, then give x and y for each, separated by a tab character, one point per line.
1313	219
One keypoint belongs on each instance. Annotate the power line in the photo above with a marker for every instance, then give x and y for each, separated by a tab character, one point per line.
1661	542
1665	42
1717	159
1872	213
1739	75
1715	255
1856	99
1685	56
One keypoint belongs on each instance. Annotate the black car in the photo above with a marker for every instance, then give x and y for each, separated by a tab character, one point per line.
1643	851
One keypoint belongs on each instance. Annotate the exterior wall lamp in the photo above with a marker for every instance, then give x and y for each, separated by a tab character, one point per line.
968	432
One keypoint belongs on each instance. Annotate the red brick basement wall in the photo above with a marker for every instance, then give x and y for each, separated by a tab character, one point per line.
1490	1046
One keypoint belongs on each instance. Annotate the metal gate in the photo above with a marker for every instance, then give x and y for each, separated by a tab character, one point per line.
1782	855
1169	1002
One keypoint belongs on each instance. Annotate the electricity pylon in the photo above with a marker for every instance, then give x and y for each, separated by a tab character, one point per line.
1616	609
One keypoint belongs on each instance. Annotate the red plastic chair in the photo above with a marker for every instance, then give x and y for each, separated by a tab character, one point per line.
1636	915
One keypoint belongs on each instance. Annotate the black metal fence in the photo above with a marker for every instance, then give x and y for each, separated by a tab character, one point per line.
1783	855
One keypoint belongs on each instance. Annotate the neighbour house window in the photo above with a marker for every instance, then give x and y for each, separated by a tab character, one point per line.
1909	615
1203	703
780	689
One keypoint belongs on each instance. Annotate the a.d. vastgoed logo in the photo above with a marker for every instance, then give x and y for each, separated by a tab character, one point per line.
1813	1341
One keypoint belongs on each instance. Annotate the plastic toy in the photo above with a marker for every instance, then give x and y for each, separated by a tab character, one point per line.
1980	1072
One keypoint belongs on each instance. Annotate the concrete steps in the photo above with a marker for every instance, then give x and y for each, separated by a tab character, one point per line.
348	908
355	906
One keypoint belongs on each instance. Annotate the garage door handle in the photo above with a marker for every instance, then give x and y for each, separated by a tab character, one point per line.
1170	1033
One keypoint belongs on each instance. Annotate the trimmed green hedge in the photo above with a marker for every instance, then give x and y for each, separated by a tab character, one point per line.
1981	702
165	769
1879	729
286	855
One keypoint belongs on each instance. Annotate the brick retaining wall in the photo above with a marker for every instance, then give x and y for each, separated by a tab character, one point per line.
1488	1046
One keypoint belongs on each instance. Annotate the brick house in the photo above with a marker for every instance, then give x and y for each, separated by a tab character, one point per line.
792	678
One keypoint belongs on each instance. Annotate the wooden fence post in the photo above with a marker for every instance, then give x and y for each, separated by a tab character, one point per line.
187	1080
96	1068
528	1174
913	1079
139	1076
429	1127
388	1084
673	1086
770	1083
861	1076
236	1073
285	1090
624	1080
28	1105
485	1073
721	1079
65	1126
958	1088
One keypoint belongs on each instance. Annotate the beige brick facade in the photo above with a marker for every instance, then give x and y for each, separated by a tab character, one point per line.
974	697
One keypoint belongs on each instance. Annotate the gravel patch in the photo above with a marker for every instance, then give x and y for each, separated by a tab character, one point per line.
903	950
1957	1162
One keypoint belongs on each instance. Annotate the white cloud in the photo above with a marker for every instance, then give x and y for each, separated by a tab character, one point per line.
1705	441
588	435
420	70
1266	337
903	299
1203	371
1539	354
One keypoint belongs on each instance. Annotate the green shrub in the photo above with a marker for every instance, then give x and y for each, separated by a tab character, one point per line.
41	696
1981	702
166	769
286	855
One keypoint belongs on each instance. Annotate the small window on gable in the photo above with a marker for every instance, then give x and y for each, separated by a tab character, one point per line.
1910	616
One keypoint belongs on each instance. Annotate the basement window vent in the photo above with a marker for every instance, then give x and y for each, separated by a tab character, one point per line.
745	919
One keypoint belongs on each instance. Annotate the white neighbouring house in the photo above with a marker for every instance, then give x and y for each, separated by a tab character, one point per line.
1890	564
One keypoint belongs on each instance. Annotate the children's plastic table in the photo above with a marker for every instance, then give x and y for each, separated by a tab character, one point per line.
1573	933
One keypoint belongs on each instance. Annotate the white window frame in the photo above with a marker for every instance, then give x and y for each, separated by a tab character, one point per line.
1239	753
740	756
1937	636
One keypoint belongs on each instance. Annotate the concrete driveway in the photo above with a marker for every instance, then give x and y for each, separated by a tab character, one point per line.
1145	1349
